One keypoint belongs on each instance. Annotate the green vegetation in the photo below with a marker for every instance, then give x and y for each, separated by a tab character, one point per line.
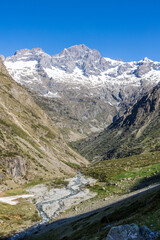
72	165
57	183
15	217
35	182
118	176
13	192
16	130
142	165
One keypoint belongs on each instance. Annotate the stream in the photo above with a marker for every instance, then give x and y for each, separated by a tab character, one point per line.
73	189
52	202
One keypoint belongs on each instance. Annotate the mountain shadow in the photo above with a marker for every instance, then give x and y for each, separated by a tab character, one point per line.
135	133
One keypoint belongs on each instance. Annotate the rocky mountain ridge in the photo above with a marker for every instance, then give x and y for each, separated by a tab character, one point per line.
80	78
86	66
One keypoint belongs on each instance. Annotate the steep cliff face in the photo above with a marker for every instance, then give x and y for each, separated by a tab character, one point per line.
136	132
30	144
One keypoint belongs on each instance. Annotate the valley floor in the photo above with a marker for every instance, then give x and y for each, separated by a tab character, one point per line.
90	223
48	199
120	195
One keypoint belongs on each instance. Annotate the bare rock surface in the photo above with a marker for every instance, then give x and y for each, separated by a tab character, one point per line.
131	232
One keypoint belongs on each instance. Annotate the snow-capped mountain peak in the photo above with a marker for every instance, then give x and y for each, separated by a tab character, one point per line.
78	66
87	85
146	59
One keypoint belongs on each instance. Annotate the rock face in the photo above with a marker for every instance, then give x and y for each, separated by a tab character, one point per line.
80	78
30	144
131	232
136	132
16	166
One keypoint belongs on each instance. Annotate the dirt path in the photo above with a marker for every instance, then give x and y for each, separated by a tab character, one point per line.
92	205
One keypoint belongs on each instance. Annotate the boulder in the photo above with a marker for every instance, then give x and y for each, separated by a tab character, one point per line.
129	232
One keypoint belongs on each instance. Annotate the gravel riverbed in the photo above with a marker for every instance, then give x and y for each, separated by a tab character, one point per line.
51	202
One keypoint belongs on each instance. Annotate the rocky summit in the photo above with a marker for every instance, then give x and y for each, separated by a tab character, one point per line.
80	78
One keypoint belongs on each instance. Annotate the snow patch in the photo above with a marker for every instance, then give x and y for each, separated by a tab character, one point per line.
52	95
11	200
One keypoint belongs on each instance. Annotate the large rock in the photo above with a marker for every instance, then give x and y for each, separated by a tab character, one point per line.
131	232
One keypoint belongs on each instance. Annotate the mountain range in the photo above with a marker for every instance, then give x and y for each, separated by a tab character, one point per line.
81	90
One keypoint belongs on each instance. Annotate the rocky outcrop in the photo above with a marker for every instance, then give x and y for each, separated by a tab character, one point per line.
131	232
16	166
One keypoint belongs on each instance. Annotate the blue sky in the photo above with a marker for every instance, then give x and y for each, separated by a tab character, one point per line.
129	30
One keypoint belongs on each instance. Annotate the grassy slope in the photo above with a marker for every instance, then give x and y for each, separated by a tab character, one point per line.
30	144
32	151
118	176
14	218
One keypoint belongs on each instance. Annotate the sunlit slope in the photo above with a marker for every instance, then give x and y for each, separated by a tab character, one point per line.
30	144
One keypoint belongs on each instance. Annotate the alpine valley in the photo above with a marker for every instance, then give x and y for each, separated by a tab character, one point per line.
79	146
